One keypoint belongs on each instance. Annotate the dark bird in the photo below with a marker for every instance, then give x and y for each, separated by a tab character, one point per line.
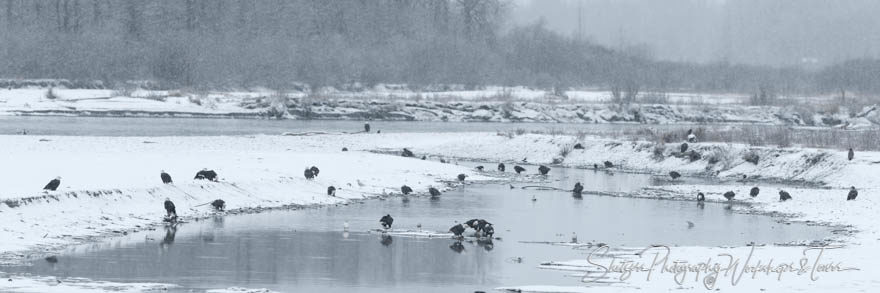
543	170
424	157
690	131
315	171
378	131
578	190
366	127
595	166
525	160
684	147
51	259
433	191
609	164
206	174
344	149
501	167
165	177
479	168
461	177
783	195
488	231
472	223
443	161
578	146
701	196
853	193
406	190
386	221
170	211
457	230
518	169
331	191
729	195
754	192
407	153
851	154
218	204
309	174
53	184
674	175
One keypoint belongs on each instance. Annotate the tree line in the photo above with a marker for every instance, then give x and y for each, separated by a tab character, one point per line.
287	43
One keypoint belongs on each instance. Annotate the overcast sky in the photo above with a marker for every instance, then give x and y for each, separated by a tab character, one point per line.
774	32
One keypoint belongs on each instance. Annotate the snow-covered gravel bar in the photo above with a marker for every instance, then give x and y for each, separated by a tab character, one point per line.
111	185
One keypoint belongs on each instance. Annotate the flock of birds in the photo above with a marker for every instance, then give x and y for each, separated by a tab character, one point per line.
482	227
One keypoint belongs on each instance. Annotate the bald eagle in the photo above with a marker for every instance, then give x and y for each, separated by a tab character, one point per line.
701	196
457	230
405	190
518	169
461	177
501	167
53	184
206	174
609	164
344	149
684	147
386	221
366	127
578	146
165	177
488	230
315	171
309	174
853	193
674	175
851	154
729	195
434	192
218	204
754	192
578	189
331	191
407	153
543	170
783	195
170	211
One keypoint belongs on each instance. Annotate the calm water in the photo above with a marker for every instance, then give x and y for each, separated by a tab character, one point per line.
109	126
308	251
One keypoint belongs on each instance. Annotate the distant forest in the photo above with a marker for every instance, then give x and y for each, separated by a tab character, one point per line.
281	44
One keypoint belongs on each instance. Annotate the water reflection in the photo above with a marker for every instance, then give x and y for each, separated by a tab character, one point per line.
329	249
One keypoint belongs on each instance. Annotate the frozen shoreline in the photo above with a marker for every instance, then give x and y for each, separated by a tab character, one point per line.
265	171
493	104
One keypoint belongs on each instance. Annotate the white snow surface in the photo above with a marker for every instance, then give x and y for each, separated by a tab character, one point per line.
111	183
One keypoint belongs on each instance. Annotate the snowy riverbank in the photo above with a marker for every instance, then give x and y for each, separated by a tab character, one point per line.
488	105
110	185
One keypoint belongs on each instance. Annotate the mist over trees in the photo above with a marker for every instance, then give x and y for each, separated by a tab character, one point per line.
287	43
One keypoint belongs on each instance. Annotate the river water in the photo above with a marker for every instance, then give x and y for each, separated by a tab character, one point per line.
309	251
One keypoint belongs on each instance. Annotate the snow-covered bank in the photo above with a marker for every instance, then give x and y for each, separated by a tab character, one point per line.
493	105
111	183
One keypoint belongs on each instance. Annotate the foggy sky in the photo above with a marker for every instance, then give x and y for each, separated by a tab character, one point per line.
807	33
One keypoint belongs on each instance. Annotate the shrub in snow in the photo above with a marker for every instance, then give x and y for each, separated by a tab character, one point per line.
751	157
